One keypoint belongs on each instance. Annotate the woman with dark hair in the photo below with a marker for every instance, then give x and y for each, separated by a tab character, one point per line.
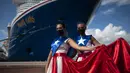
59	49
84	40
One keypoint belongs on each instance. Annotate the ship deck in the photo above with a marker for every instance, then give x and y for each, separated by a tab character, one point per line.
22	67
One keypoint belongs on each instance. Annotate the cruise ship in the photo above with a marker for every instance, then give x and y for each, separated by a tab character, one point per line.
33	28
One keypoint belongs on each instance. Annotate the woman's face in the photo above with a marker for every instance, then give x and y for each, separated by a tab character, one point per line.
59	27
81	29
81	26
60	30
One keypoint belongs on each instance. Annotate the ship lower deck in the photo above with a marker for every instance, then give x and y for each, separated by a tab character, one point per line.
22	67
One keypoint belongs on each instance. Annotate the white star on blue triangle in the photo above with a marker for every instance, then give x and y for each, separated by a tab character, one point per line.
81	41
56	42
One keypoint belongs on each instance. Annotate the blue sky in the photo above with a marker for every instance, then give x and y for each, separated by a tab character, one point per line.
112	14
7	13
111	21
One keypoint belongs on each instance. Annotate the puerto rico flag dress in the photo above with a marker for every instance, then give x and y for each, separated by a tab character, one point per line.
83	41
100	61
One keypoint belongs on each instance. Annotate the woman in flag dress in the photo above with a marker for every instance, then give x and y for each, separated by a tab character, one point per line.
84	40
57	58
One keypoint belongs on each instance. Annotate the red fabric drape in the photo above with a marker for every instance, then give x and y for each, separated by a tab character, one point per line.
120	51
114	58
98	62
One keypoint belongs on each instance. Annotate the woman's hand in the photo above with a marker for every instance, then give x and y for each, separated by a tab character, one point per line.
98	45
48	61
92	47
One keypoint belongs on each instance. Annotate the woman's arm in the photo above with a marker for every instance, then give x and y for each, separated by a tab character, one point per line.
94	41
48	61
82	48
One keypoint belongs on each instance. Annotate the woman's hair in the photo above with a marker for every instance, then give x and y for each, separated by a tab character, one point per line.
81	22
61	23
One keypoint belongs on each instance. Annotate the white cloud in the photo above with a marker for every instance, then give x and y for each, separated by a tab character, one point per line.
3	32
3	35
117	2
105	2
109	11
109	34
